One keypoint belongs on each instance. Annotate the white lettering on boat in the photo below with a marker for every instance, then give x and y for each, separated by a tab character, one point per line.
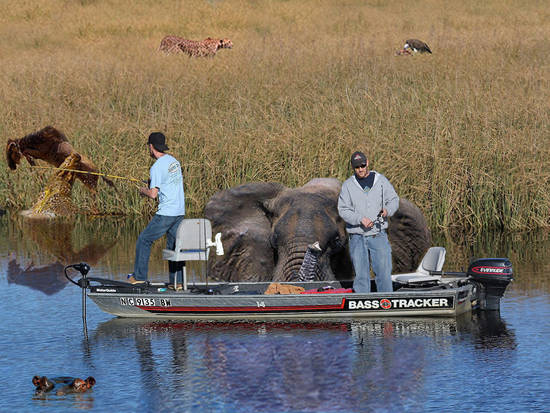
399	303
140	301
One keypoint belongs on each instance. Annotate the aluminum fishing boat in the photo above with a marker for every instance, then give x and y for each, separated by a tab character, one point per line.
428	291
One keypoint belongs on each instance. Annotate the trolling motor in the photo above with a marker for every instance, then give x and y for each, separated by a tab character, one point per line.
83	269
83	283
492	275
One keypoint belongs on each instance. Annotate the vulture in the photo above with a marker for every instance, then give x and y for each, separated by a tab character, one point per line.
417	46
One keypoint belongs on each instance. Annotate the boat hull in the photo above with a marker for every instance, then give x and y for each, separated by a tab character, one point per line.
158	303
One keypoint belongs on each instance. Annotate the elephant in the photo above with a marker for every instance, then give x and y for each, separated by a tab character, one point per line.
266	229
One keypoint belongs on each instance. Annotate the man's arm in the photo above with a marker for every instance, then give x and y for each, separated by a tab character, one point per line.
345	208
149	192
152	188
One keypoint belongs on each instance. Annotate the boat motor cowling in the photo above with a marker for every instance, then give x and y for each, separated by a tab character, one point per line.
493	275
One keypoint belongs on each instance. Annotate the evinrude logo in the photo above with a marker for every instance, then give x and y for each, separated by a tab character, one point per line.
398	303
494	270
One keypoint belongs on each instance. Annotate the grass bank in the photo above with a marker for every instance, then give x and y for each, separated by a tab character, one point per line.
464	133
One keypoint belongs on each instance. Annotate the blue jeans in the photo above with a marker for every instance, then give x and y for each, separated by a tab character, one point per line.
379	249
157	227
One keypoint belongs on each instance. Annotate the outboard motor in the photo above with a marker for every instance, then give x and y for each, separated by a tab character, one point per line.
493	276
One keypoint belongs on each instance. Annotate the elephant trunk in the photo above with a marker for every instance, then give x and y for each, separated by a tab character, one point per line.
292	263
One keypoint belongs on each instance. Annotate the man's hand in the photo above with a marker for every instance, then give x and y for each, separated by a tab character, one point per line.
384	213
367	223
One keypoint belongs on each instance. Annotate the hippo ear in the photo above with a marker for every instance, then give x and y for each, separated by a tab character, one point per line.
409	236
241	214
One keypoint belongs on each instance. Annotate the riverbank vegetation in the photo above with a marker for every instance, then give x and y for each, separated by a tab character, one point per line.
463	133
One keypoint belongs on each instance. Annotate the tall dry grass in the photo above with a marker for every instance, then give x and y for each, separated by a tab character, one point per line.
464	133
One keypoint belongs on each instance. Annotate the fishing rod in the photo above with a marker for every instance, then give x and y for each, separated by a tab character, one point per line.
141	181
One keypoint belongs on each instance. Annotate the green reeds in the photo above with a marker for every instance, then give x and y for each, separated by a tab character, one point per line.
463	133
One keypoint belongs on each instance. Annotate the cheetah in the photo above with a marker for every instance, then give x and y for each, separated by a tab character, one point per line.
194	48
169	44
55	200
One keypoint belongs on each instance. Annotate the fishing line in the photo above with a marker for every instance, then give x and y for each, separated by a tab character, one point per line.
141	181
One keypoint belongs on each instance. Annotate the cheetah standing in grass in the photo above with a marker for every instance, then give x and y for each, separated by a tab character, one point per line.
169	44
194	48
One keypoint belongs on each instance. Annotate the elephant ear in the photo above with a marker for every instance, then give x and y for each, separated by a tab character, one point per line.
409	236
240	215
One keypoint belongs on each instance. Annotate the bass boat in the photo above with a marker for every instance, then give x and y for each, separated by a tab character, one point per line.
429	291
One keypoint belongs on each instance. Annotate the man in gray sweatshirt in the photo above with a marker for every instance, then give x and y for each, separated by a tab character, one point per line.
366	201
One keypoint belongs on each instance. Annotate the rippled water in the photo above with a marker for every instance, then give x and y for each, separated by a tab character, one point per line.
485	362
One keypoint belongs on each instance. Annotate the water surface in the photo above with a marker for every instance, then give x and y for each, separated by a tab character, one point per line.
484	362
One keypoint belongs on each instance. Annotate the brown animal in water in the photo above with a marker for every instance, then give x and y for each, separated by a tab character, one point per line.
51	145
42	384
70	384
77	386
194	48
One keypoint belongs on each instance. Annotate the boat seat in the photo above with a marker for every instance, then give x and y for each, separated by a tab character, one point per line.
433	261
193	242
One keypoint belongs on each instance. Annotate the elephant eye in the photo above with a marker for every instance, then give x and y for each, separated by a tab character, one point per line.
336	242
273	240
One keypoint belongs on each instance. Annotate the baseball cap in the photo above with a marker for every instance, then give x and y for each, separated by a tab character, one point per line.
358	158
158	140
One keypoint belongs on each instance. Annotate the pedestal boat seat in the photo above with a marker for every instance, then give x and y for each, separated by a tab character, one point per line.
193	243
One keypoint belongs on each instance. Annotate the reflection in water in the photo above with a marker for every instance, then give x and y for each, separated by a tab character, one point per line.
54	238
57	239
107	243
490	331
298	366
46	278
74	401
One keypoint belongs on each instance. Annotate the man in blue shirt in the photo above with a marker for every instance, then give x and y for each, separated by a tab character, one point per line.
366	199
166	183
